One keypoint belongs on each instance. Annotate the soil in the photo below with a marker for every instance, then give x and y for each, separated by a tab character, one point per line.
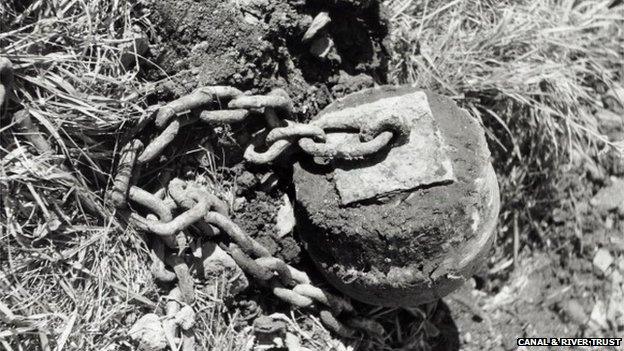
258	217
256	45
555	290
399	252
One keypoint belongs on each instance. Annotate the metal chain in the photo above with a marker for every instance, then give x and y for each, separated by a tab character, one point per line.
309	137
204	211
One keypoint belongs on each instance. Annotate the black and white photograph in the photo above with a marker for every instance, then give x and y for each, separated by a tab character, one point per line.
311	175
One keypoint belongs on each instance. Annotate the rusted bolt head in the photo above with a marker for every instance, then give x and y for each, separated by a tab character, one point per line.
408	225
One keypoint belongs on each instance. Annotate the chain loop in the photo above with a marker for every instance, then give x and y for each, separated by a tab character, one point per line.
346	151
223	116
158	144
275	150
295	131
261	101
119	193
198	98
248	265
156	205
172	227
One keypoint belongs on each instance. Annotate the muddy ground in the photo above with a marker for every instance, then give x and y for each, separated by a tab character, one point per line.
555	287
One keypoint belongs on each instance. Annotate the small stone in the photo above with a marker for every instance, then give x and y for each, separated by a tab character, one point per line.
246	181
185	317
616	279
251	19
319	22
611	197
608	223
285	218
149	333
269	332
603	260
598	318
292	342
609	123
617	242
217	263
269	325
239	203
574	311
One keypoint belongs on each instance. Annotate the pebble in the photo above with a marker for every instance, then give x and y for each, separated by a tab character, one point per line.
574	311
609	122
602	260
611	197
598	318
216	263
246	181
269	325
318	23
185	318
149	333
285	218
239	203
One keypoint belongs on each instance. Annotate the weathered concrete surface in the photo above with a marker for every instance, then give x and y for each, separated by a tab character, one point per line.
421	160
412	247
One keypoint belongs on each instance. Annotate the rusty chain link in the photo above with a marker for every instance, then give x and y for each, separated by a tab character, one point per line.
311	138
196	207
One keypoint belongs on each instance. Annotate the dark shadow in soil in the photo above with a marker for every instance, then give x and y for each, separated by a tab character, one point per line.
448	339
428	327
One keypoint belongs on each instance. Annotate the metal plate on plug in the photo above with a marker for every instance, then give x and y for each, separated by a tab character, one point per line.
420	162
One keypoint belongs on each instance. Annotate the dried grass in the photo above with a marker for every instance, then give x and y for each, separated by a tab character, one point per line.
532	71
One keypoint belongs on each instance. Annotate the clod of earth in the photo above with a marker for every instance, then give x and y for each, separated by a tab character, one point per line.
242	44
402	245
